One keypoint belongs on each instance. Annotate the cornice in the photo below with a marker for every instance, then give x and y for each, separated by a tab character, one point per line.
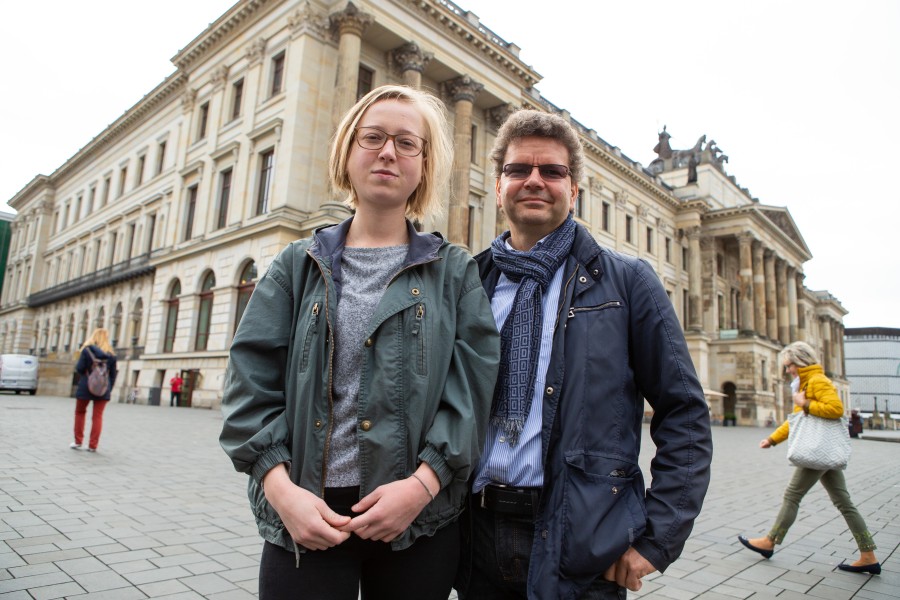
464	25
218	33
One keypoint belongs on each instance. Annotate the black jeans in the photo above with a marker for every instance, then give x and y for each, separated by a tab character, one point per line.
361	568
501	553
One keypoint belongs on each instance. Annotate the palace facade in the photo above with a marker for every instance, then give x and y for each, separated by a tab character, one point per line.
158	228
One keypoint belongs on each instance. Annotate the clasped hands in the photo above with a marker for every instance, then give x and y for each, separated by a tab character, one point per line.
382	515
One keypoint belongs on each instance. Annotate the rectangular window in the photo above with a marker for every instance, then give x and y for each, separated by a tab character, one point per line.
364	78
160	157
123	176
266	165
685	302
92	195
202	120
237	94
720	301
107	185
650	240
473	145
151	231
113	240
277	74
684	258
668	250
579	204
629	222
132	228
605	216
139	175
224	195
79	201
720	264
189	212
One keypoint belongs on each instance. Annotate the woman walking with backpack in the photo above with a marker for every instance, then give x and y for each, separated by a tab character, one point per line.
98	357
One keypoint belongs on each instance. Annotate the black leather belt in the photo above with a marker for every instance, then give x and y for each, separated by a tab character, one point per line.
508	499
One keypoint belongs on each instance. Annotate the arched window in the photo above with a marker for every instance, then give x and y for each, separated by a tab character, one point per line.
70	331
101	318
206	303
82	330
116	325
171	316
246	286
137	317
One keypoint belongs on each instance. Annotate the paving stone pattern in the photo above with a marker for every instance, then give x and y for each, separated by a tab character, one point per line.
159	512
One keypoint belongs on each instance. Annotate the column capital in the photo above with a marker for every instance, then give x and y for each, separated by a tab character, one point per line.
410	57
497	115
218	77
255	51
307	19
693	232
745	238
462	88
351	20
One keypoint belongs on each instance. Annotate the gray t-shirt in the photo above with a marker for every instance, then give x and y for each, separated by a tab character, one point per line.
365	273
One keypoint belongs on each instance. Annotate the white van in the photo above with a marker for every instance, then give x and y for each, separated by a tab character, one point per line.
19	372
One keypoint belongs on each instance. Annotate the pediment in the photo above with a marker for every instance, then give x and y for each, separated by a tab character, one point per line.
781	218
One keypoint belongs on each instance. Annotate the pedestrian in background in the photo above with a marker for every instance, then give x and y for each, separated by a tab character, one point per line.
360	377
176	382
815	394
97	347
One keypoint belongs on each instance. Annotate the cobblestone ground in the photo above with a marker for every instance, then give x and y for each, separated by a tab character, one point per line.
159	512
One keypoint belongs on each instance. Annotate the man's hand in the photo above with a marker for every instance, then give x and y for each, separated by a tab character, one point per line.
628	570
310	521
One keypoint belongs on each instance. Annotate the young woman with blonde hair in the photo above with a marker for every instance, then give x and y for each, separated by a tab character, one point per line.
95	347
360	377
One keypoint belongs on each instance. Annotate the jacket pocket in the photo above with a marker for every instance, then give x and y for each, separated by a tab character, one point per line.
602	513
575	310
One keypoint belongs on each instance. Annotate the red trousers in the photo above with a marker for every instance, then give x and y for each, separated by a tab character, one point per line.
96	421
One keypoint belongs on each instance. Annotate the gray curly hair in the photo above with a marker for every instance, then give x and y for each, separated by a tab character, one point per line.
535	123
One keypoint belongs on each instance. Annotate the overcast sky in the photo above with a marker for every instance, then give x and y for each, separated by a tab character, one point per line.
801	95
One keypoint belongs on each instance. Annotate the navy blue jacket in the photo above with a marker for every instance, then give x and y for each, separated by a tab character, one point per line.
83	367
617	341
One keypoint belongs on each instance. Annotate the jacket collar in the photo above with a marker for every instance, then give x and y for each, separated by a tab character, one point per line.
328	243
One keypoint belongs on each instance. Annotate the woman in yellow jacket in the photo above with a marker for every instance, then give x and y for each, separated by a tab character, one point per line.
815	394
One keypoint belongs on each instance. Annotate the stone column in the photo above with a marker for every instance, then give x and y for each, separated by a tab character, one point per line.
410	61
745	241
350	23
782	299
827	359
695	280
771	314
710	289
461	91
759	290
792	303
802	331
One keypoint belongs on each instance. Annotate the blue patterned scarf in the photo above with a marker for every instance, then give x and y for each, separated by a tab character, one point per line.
520	337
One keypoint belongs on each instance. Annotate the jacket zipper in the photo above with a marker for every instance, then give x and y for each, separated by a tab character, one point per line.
610	304
330	378
564	292
419	328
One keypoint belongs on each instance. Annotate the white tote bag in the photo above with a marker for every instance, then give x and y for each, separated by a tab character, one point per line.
817	443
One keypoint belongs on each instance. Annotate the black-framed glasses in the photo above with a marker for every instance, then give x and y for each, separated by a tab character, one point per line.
406	144
548	172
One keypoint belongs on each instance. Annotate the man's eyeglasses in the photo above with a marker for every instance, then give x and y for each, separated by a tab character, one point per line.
548	172
406	144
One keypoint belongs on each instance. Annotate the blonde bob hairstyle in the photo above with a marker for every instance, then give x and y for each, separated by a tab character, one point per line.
99	338
437	156
800	354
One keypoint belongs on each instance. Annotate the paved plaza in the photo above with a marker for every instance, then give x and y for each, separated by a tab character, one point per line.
159	512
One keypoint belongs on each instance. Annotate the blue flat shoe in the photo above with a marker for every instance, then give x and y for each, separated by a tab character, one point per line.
873	569
765	553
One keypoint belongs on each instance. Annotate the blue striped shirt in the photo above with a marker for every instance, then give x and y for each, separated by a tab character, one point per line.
520	465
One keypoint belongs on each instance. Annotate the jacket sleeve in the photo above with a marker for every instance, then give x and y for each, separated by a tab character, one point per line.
113	371
781	434
455	439
255	432
664	371
823	399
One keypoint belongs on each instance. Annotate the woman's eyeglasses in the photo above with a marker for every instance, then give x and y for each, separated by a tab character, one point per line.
548	172
406	144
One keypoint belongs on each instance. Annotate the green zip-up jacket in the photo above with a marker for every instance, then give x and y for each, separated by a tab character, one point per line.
426	382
